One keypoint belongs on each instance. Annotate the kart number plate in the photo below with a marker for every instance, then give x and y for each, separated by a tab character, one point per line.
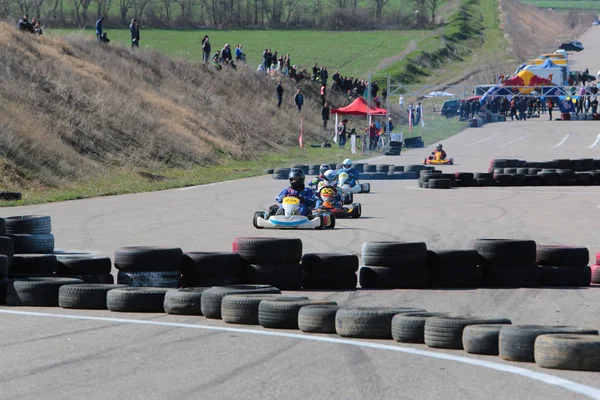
327	192
291	200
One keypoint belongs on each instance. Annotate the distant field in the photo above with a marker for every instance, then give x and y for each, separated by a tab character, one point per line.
353	53
566	5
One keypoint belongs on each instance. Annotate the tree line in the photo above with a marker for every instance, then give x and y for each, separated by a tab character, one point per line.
228	14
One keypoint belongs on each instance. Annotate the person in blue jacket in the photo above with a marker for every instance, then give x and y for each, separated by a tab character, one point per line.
297	188
352	172
99	28
322	169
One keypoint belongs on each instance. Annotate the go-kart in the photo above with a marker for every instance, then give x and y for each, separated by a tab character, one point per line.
291	218
327	196
437	160
343	185
347	197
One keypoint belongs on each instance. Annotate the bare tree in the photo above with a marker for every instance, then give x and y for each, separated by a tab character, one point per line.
81	8
57	4
291	6
432	6
342	3
124	7
379	4
28	6
103	7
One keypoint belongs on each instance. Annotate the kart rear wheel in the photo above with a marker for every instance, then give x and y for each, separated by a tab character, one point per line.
332	223
356	210
255	219
365	187
348	198
320	216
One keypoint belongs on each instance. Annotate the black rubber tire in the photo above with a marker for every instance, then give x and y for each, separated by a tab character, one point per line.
317	319
562	256
32	292
382	167
511	276
199	266
440	183
268	250
506	252
184	301
6	248
483	175
517	342
277	314
210	282
568	352
35	243
83	265
33	264
549	178
330	280
2	227
368	322
454	268
136	299
213	297
282	171
28	224
410	327
533	180
106	279
3	266
329	262
502	179
282	276
565	276
269	171
372	277
482	339
395	254
446	332
85	296
162	279
148	259
10	196
397	168
243	308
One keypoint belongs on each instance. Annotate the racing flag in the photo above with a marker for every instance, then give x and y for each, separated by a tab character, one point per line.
421	114
300	137
410	119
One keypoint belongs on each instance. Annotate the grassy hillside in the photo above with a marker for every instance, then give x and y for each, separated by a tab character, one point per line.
354	53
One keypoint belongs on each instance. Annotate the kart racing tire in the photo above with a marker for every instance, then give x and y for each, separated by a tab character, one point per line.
410	327
446	332
570	352
268	250
317	318
356	210
85	296
257	214
348	198
365	187
329	263
562	256
368	322
482	339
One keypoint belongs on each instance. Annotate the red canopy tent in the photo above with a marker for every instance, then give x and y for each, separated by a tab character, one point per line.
359	107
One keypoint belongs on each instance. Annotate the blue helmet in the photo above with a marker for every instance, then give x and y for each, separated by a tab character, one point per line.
324	168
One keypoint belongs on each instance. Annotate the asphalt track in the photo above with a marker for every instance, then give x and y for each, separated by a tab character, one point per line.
98	354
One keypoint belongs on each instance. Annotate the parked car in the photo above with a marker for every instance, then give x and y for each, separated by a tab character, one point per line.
573	45
450	108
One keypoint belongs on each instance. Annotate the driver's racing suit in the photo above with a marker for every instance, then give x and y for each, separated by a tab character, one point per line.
352	173
307	199
443	156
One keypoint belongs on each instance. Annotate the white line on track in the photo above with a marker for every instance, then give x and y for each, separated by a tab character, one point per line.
589	391
486	190
514	141
562	141
482	140
596	142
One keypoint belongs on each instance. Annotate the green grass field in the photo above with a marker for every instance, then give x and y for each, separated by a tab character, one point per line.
566	4
353	53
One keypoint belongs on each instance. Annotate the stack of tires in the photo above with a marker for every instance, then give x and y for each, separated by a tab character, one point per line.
564	266
199	269
148	266
454	269
32	245
10	196
464	179
395	149
281	173
88	266
508	263
394	265
329	271
414	142
426	175
271	261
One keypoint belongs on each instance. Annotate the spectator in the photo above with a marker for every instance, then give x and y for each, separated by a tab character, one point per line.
550	107
325	111
104	38
215	61
299	100
323	94
390	126
99	28
135	33
38	28
239	54
279	94
315	71
24	24
373	136
205	49
342	131
594	105
324	75
226	54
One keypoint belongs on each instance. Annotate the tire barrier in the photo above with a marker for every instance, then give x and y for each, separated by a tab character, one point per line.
201	269
10	196
366	171
317	318
185	301
565	351
277	314
212	298
243	308
85	296
41	292
410	327
136	299
446	332
368	322
164	279
482	339
329	271
394	265
30	234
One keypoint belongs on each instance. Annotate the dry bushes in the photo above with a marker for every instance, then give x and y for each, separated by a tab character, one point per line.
72	108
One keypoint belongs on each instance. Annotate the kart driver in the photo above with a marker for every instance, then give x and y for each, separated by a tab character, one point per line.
322	169
352	173
329	183
297	188
440	150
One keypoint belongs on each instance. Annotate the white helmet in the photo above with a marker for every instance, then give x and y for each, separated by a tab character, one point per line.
347	163
330	177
